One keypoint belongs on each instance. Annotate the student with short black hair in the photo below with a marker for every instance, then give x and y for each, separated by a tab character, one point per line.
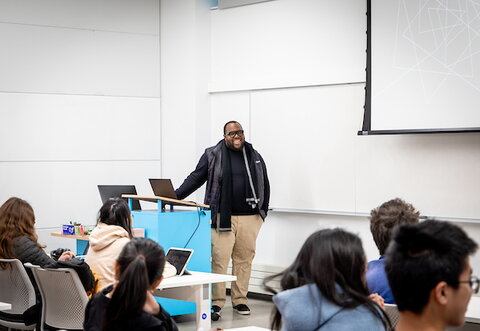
324	288
383	220
129	304
429	271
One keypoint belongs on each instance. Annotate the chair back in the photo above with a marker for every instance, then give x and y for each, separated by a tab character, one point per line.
16	289
63	296
392	313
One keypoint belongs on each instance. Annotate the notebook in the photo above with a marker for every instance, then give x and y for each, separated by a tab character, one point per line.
179	257
116	191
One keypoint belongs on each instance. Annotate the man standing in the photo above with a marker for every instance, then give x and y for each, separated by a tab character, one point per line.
238	193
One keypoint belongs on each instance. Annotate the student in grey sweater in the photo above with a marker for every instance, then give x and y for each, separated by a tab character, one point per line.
325	287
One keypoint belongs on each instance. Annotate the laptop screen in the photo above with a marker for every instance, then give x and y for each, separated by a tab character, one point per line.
116	191
163	188
179	257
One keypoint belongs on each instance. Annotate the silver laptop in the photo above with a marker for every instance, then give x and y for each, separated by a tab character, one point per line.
179	257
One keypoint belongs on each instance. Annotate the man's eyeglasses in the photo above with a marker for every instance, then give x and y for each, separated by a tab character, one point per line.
474	283
234	133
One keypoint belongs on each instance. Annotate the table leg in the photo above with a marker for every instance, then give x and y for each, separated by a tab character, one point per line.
202	300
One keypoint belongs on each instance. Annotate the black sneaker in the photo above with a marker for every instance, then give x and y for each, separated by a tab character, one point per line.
216	313
242	309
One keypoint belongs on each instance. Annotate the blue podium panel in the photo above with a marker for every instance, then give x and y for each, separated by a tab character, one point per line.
183	229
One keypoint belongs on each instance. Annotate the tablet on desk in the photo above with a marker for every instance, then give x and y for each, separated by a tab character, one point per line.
179	257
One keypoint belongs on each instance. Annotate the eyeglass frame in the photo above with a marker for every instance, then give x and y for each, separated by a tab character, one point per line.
474	283
234	133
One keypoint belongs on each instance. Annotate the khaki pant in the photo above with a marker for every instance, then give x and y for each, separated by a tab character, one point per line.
239	244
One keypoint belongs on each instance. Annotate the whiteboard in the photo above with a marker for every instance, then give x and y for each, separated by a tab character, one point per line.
307	138
317	162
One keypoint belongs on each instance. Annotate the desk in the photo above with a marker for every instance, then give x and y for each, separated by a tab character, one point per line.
81	242
5	306
473	311
193	288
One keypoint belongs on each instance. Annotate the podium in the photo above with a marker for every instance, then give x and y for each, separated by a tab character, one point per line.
177	228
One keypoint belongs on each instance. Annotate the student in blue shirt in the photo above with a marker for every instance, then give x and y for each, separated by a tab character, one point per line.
383	220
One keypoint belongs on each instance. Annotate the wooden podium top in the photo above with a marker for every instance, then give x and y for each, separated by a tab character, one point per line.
150	198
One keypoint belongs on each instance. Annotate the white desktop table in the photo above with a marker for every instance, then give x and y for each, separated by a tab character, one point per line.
5	306
473	311
193	288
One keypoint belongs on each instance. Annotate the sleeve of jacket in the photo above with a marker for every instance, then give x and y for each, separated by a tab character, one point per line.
196	179
26	250
267	188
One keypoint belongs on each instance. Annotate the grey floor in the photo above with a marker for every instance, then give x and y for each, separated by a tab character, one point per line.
260	317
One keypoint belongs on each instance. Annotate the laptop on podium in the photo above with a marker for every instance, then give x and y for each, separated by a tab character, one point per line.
164	188
116	191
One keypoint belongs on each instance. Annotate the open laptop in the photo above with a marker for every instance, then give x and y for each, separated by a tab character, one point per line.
179	257
116	191
163	188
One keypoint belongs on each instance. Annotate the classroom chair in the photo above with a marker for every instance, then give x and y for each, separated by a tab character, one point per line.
63	297
392	313
16	289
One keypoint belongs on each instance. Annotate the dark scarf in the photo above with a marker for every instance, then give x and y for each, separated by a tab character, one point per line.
227	192
227	186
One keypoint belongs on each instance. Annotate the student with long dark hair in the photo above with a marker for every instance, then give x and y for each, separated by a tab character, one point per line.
112	232
129	303
325	288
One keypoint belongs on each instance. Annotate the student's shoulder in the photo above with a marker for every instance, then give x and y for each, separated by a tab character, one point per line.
23	240
95	310
160	322
363	317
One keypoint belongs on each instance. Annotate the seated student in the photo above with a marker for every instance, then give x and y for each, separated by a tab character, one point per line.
324	288
129	303
382	222
429	272
112	232
18	238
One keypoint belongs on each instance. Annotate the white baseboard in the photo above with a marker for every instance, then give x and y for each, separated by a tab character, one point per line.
259	273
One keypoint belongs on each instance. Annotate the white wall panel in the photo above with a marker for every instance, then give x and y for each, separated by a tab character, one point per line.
288	43
56	60
185	101
136	16
67	191
70	127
